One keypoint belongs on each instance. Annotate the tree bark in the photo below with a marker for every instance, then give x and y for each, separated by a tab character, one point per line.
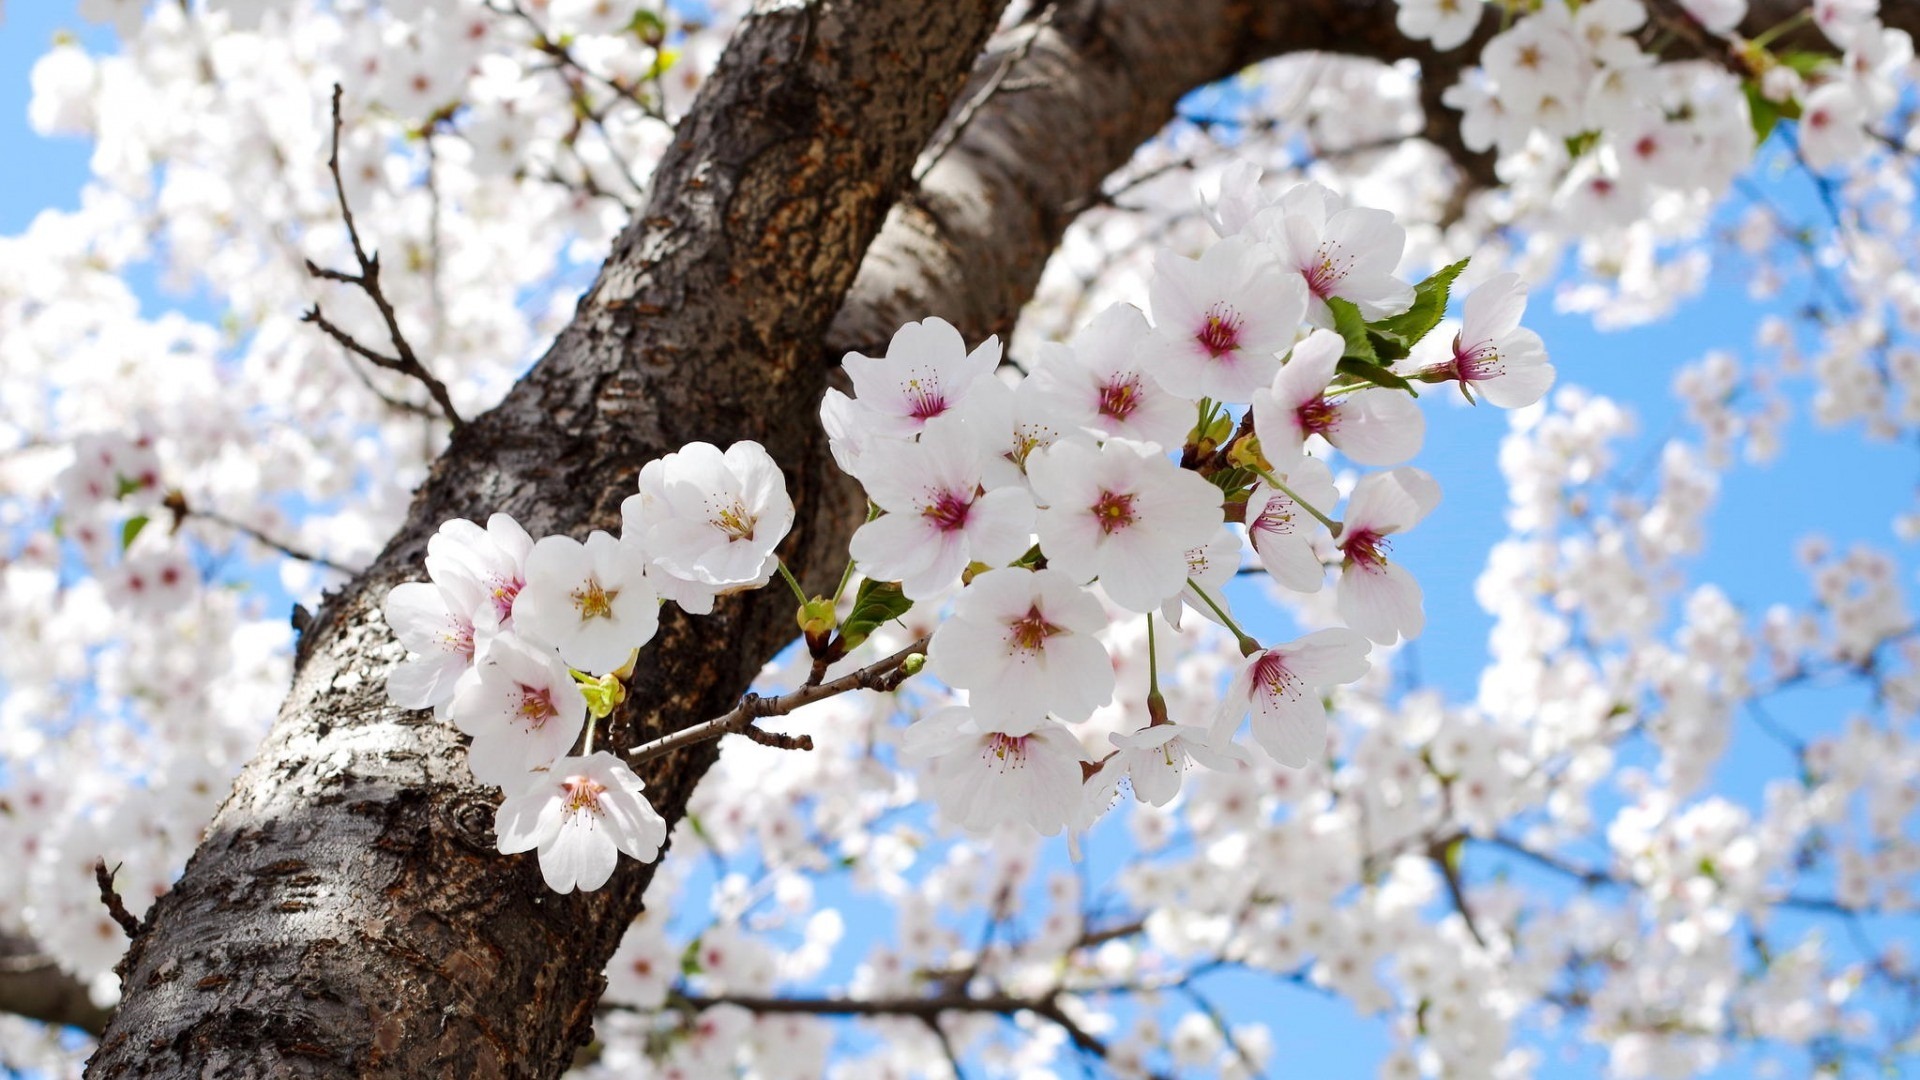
347	913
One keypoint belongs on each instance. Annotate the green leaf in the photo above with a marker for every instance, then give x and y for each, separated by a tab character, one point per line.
875	603
647	26
1376	374
1581	143
1232	480
1388	349
1765	114
1352	326
132	529
1806	63
1429	304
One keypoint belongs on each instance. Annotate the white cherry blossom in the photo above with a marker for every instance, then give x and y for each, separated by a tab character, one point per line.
1372	426
937	519
1493	354
709	519
926	373
1281	689
580	814
1096	382
522	709
1220	322
982	778
1154	757
1283	532
1123	513
1338	250
1377	597
591	601
1021	643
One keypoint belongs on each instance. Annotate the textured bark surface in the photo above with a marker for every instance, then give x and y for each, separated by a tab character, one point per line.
347	914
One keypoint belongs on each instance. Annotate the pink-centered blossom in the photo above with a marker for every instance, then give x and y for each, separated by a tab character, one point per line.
1378	597
580	814
522	709
494	557
1283	533
1493	354
937	519
926	373
1281	689
1097	383
1123	513
709	521
1374	426
1346	251
1220	322
982	778
1022	644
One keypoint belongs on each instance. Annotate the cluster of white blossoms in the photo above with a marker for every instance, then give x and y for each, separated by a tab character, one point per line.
522	644
1117	462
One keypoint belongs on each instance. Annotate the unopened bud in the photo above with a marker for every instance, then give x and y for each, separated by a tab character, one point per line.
1157	709
1245	454
816	617
603	694
913	663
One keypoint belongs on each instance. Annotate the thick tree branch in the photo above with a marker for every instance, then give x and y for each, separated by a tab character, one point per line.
32	985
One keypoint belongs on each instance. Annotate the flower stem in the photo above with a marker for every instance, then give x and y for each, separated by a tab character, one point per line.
1766	37
1248	646
1156	703
586	748
1274	482
792	583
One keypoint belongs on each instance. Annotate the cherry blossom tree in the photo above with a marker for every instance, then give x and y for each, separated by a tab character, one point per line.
931	365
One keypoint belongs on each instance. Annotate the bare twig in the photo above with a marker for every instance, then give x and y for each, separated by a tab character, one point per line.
367	280
883	675
176	503
108	896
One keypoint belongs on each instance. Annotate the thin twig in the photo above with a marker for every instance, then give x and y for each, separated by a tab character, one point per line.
103	877
176	503
368	281
883	675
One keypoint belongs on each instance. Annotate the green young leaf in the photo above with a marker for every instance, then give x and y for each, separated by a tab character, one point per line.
647	26
1429	304
132	529
1388	349
1376	374
1233	480
1581	143
875	603
1765	114
1806	63
1353	327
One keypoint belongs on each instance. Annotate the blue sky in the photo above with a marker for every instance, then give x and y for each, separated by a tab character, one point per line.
1847	487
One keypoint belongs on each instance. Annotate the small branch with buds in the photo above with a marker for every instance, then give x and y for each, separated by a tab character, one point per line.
884	676
367	280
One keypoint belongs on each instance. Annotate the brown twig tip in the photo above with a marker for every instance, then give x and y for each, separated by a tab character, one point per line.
778	741
404	360
110	897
